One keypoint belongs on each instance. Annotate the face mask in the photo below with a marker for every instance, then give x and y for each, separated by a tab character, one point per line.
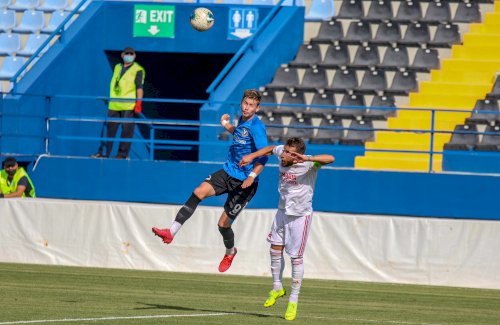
128	58
11	172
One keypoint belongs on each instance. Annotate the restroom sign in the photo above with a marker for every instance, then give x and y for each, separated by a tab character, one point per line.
243	22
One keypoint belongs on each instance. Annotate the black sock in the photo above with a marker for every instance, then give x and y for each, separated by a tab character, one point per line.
227	236
187	209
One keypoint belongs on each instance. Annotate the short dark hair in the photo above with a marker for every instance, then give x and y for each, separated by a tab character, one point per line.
297	143
252	94
9	162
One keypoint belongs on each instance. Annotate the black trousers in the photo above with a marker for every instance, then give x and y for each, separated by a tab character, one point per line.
127	133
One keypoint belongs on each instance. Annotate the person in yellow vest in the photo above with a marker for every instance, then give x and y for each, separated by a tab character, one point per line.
127	83
14	181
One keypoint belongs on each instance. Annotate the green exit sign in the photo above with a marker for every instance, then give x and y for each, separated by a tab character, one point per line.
154	21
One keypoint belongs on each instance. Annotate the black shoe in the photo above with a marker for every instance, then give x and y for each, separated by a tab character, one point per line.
99	155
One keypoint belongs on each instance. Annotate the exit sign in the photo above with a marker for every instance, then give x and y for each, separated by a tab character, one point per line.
154	21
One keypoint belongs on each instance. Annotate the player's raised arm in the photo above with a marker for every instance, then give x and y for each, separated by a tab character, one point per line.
226	124
320	159
266	151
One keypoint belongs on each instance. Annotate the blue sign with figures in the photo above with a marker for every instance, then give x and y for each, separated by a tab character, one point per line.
243	22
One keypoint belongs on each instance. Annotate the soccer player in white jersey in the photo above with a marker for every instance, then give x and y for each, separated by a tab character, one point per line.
292	222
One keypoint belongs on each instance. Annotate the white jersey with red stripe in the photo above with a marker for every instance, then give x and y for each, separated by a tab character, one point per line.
296	186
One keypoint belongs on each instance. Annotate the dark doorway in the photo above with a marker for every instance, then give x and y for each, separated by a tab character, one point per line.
175	76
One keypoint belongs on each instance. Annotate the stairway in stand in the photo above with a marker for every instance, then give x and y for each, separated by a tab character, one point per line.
463	79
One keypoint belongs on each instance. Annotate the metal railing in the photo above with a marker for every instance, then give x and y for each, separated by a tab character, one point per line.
153	143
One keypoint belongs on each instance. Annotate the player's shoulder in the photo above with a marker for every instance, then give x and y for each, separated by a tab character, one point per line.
256	122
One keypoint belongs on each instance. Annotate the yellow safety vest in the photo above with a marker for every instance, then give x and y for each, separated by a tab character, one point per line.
12	187
124	87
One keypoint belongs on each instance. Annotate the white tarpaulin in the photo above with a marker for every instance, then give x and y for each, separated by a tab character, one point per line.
394	249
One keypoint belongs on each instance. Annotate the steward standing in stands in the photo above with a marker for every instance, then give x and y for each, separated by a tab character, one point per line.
127	83
14	181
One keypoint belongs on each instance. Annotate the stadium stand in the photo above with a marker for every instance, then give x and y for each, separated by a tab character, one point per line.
11	64
33	42
465	137
294	98
358	133
9	43
484	112
8	20
22	5
320	10
314	79
54	5
285	77
395	58
56	18
316	108
32	21
352	9
379	11
490	139
330	131
336	56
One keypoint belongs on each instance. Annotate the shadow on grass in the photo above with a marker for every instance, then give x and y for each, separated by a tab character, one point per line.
169	307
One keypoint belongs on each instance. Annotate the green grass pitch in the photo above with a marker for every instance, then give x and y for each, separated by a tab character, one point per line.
37	294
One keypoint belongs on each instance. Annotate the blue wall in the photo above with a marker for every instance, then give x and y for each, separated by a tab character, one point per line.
77	65
346	191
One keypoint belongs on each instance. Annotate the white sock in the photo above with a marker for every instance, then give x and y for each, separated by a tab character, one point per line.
230	251
174	228
297	275
277	267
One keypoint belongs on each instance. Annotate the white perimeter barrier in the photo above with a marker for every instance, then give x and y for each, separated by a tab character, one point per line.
432	251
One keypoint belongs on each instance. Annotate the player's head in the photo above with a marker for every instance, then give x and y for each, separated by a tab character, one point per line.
292	145
250	103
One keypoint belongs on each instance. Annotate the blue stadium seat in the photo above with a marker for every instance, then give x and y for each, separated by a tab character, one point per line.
9	43
75	3
54	5
32	21
263	2
56	19
22	5
5	3
33	42
321	10
299	3
11	65
7	20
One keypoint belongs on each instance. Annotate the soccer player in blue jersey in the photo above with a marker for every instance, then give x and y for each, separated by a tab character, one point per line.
239	182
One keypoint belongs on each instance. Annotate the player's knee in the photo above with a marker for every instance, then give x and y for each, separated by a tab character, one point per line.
200	193
276	252
297	260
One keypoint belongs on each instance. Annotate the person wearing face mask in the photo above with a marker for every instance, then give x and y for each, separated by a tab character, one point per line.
14	181
127	83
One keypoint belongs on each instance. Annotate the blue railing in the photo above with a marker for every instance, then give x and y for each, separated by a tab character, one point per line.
249	43
154	143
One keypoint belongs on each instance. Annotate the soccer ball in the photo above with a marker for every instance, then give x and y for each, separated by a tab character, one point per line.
202	19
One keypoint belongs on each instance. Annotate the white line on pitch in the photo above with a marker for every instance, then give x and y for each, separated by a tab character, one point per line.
110	318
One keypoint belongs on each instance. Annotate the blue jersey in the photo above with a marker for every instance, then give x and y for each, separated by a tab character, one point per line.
248	137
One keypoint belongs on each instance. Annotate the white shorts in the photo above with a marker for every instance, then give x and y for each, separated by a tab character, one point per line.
291	232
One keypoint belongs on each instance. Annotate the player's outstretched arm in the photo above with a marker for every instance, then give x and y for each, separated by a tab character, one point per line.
320	159
226	124
257	169
266	151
